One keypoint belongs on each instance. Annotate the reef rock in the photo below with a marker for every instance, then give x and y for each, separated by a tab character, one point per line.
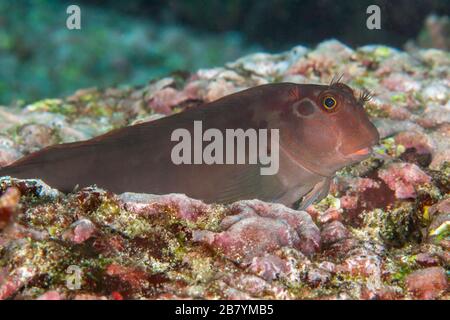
381	233
427	283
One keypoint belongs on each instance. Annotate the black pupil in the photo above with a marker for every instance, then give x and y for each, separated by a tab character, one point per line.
329	102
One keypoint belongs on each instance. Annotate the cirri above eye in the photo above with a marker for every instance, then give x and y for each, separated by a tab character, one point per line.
329	103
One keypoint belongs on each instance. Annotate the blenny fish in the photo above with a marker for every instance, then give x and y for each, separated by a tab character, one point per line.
322	128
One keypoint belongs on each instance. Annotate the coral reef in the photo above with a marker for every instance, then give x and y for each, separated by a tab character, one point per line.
381	233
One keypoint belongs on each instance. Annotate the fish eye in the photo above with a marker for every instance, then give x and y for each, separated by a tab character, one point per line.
329	103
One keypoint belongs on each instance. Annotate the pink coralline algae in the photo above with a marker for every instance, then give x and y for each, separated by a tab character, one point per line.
268	266
417	140
367	265
403	178
333	232
184	207
331	214
427	260
258	227
318	277
349	202
8	155
400	82
255	286
50	295
164	100
11	283
35	137
82	230
427	283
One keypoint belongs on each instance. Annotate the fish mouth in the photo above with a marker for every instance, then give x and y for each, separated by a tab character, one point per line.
360	153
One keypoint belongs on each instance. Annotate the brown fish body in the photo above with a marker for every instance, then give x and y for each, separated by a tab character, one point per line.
138	158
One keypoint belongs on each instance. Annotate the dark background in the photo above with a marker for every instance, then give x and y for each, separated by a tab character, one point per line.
131	42
279	24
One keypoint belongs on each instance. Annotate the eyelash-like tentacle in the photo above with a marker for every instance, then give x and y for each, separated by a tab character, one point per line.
336	79
365	96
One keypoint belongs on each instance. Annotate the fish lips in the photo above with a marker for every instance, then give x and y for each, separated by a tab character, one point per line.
359	154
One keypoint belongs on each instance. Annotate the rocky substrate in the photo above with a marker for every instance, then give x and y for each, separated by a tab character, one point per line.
382	232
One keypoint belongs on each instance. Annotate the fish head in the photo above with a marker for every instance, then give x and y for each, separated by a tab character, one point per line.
327	128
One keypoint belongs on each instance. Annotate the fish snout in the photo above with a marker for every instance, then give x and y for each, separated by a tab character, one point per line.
360	146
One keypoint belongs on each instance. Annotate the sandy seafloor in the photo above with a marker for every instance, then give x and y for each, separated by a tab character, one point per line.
382	232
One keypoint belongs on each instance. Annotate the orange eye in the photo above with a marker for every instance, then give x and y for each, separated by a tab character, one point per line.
329	103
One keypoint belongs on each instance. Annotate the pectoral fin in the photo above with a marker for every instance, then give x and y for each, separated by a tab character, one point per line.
318	192
243	182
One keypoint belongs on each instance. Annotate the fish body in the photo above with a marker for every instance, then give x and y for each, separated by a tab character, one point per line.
314	142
